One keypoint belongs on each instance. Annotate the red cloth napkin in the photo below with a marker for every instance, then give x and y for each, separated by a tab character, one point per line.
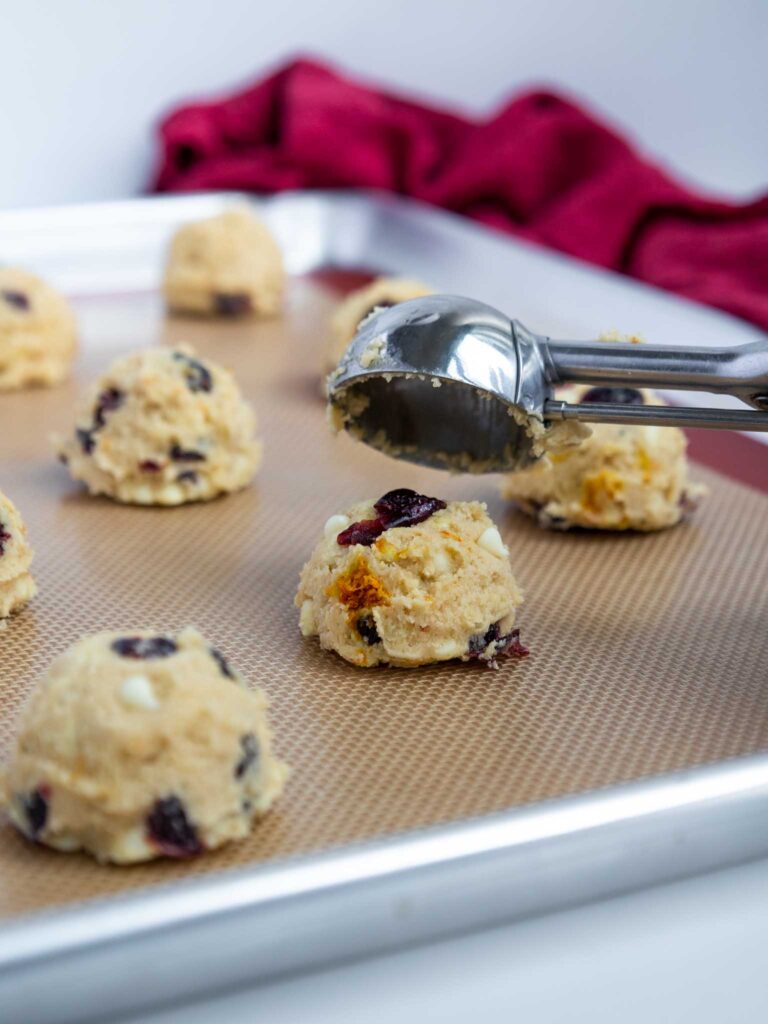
541	168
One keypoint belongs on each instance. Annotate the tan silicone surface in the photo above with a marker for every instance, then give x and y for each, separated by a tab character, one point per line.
649	653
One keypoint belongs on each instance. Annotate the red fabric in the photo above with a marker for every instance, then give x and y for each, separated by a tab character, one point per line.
541	168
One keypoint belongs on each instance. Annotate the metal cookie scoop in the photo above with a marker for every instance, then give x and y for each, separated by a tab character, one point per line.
449	382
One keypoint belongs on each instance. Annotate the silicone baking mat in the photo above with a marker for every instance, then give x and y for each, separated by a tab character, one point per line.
648	653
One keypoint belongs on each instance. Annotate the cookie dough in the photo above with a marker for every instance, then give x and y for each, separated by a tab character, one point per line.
16	584
619	478
162	427
381	293
409	580
226	266
37	332
138	745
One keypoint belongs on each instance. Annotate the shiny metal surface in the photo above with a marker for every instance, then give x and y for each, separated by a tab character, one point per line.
269	921
176	942
440	378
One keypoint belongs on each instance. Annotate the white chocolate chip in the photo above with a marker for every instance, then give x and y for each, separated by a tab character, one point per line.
335	525
441	563
448	649
137	691
307	619
491	541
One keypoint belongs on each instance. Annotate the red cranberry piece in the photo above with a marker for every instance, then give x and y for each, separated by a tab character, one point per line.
250	747
366	627
510	646
232	303
169	828
363	532
179	454
16	299
150	466
402	507
4	538
617	396
507	645
197	376
107	401
222	662
144	647
189	476
36	809
86	439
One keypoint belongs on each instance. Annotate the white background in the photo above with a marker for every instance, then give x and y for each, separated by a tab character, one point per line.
82	83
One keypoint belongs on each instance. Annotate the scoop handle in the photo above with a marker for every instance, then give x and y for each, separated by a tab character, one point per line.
741	371
656	415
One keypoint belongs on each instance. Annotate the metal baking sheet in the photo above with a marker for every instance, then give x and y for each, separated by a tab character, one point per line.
421	801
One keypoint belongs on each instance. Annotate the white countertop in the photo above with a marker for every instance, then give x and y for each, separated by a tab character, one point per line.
689	952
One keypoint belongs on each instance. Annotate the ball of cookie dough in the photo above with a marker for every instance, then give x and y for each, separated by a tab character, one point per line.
410	580
162	427
227	266
621	477
37	332
359	304
16	584
138	745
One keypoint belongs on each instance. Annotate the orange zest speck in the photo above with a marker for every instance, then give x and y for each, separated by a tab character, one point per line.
358	588
601	489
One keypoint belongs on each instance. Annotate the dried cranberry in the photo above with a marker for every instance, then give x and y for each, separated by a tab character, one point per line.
366	627
402	507
144	647
507	645
150	466
222	662
364	532
14	298
85	437
36	809
616	396
179	454
170	828
189	476
4	538
232	303
197	376
510	646
107	401
250	746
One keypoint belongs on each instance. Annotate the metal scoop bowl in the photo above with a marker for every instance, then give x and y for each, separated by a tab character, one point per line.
453	383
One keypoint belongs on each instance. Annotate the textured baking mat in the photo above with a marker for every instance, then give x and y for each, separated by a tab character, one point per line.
649	653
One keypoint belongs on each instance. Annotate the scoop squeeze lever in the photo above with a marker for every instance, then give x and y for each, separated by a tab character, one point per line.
450	382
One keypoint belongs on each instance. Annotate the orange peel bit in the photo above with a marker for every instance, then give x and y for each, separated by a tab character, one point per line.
601	489
646	464
358	588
